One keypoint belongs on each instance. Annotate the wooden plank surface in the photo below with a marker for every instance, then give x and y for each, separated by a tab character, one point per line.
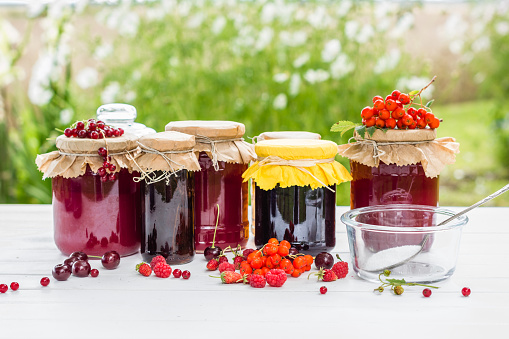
123	304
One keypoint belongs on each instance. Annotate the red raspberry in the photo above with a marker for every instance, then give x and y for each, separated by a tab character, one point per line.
223	259
340	268
276	277
144	269
257	281
229	277
226	266
237	261
212	265
157	259
162	270
247	251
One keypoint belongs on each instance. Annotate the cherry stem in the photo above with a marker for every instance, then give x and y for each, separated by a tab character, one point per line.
217	222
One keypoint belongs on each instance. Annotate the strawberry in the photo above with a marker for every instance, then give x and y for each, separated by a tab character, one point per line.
229	277
144	269
212	264
226	266
162	270
257	281
325	275
340	268
157	259
275	277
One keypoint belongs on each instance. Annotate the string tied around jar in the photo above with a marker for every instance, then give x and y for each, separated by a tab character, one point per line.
300	164
377	153
213	150
150	177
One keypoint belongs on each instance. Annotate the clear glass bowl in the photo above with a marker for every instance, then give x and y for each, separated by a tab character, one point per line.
405	239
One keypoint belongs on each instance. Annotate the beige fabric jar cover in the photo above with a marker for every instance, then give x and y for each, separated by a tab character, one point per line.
403	147
221	140
168	152
74	154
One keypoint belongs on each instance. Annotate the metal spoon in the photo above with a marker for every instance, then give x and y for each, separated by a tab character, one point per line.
425	240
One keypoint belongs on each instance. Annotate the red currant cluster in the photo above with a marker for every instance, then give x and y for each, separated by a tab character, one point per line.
92	129
391	113
107	171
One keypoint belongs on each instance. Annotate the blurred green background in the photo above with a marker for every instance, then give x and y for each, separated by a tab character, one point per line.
272	65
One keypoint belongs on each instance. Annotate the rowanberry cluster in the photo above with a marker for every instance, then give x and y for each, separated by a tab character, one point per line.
92	129
397	111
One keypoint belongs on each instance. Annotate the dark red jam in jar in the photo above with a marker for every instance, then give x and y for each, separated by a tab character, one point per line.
303	216
96	217
295	198
167	219
223	157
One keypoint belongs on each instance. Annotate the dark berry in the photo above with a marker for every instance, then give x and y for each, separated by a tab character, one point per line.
323	290
70	261
104	178
79	255
186	274
94	135
45	281
106	164
110	260
212	252
100	124
81	268
80	125
177	273
14	286
120	131
426	292
61	272
101	171
293	251
3	288
103	152
324	260
68	132
112	176
112	168
94	273
92	126
465	291
82	134
116	133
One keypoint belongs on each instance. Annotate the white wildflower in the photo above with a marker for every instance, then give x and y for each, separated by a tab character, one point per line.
129	96
481	44
264	38
280	101
403	25
314	76
502	28
351	28
294	86
343	8
87	77
280	77
110	93
479	78
387	62
66	116
9	33
301	60
38	87
366	33
269	12
103	51
293	39
331	50
341	67
195	21
218	25
456	46
319	18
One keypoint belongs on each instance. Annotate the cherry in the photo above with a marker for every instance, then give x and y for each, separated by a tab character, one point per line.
293	251
3	288
79	255
94	273
177	273
186	274
110	260
324	260
213	251
14	286
61	272
81	268
323	290
426	292
465	291
70	261
45	281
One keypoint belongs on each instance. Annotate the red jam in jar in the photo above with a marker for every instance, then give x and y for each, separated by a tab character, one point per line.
96	217
225	188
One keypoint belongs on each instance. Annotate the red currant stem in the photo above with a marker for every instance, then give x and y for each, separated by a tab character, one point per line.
224	250
59	130
95	256
422	89
217	222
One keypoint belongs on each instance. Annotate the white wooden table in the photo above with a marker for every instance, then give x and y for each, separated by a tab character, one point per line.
123	304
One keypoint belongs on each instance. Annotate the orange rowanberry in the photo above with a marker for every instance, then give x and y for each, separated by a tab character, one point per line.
399	124
380	123
299	262
285	244
370	122
407	120
253	255
256	263
245	269
275	259
270	249
283	251
398	113
273	241
390	105
270	265
286	265
390	123
434	123
264	260
309	259
258	271
367	112
395	94
296	273
413	125
307	268
412	111
429	118
404	98
377	97
379	105
421	123
265	270
384	114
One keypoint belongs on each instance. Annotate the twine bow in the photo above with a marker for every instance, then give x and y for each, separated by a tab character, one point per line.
213	151
299	164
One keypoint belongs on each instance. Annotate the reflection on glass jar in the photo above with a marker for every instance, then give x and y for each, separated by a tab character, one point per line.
96	217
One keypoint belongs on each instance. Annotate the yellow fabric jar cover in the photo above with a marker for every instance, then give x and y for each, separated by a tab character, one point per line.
296	162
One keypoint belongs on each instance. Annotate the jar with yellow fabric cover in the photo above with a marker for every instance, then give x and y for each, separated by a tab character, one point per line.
295	196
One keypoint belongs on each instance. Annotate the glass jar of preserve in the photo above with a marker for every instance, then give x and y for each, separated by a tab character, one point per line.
272	136
295	192
167	164
223	156
123	116
397	167
94	213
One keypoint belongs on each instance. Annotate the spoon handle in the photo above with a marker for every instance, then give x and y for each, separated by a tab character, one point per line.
479	203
